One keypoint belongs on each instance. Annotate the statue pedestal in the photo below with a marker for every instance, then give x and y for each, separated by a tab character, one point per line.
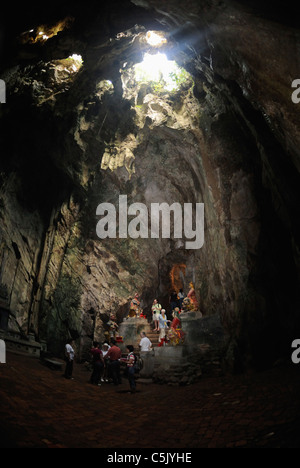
170	354
130	330
205	341
148	358
171	365
200	330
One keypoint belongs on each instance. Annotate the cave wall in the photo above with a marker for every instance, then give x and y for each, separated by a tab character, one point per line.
231	141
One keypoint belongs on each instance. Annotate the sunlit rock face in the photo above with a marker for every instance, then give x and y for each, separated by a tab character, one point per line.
81	130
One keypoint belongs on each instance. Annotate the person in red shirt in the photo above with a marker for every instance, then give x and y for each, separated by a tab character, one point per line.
98	364
113	359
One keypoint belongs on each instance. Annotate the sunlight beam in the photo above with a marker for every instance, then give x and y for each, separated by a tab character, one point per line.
159	69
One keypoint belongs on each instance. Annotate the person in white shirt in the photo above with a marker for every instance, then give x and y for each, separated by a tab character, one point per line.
70	353
145	343
105	348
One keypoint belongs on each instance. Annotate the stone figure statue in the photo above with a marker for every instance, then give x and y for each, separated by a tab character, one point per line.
134	309
113	326
176	335
192	297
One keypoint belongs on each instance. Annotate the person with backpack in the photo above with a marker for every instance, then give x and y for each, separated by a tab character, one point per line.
131	367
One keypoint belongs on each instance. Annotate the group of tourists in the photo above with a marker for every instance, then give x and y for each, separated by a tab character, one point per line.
160	319
170	330
167	329
107	361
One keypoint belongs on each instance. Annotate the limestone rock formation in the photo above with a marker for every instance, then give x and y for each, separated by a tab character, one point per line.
78	130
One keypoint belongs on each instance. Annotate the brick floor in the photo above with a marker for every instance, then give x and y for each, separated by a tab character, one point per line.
40	409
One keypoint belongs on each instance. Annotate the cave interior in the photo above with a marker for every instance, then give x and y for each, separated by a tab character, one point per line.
85	121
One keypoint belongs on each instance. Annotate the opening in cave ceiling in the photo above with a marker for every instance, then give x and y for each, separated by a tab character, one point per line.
165	74
43	32
155	70
160	92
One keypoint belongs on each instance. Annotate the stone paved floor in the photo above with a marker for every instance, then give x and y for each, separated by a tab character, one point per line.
40	409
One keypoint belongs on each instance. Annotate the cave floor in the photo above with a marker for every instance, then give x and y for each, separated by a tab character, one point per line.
41	409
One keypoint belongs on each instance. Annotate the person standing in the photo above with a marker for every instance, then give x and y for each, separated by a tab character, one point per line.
145	344
130	364
156	309
113	357
181	296
163	324
105	348
173	300
97	363
69	357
